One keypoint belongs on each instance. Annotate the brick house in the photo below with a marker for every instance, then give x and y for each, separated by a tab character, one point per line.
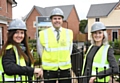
5	17
71	19
109	14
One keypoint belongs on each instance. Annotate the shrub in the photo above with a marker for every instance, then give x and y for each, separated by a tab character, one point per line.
32	40
111	43
37	62
116	46
32	44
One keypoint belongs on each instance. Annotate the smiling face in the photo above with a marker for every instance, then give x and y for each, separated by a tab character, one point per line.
57	21
98	36
19	36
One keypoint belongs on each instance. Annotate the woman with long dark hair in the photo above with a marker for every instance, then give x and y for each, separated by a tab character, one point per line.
16	58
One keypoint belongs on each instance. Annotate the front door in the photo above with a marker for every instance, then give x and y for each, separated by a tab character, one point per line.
114	35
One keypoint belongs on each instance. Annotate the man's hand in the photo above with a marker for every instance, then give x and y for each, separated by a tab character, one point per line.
38	72
92	79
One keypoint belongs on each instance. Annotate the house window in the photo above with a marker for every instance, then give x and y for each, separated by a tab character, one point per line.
97	19
34	24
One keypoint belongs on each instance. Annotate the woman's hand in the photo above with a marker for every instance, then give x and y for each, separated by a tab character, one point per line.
38	72
92	79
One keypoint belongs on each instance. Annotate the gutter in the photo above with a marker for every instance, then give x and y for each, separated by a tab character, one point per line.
15	3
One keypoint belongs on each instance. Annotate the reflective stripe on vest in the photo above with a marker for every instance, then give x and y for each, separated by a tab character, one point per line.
100	61
20	61
85	59
56	65
58	48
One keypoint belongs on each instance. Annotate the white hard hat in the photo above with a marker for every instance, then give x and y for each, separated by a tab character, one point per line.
57	11
97	26
17	24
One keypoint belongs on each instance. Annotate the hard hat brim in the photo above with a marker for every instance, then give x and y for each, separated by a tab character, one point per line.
98	30
56	15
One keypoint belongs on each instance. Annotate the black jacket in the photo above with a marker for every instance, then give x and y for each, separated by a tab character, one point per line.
11	68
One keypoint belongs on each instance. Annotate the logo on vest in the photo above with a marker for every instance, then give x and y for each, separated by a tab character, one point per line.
63	43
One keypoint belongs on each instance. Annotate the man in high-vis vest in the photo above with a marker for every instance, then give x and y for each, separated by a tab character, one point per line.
99	60
56	47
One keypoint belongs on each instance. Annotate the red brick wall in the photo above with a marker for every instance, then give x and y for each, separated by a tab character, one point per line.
32	30
6	11
109	31
9	10
65	24
109	34
3	7
73	23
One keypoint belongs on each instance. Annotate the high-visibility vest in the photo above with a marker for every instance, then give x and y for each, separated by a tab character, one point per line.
20	61
56	54
99	61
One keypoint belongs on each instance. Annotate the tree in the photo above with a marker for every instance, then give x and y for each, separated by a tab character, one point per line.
82	26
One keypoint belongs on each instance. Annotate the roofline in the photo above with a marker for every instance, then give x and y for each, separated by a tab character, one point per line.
112	27
46	7
59	6
38	11
76	13
104	15
29	13
96	16
113	8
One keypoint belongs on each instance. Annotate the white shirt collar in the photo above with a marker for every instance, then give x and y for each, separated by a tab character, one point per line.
54	28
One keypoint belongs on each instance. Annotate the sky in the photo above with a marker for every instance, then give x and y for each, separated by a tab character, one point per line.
82	6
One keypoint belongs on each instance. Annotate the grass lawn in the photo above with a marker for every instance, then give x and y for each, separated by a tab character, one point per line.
117	57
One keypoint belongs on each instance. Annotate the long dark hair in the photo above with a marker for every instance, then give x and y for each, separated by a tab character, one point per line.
20	52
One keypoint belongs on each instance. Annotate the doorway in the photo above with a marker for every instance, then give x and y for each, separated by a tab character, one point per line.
114	35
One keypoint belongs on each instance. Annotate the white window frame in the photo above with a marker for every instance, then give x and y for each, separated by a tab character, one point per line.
34	24
0	37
